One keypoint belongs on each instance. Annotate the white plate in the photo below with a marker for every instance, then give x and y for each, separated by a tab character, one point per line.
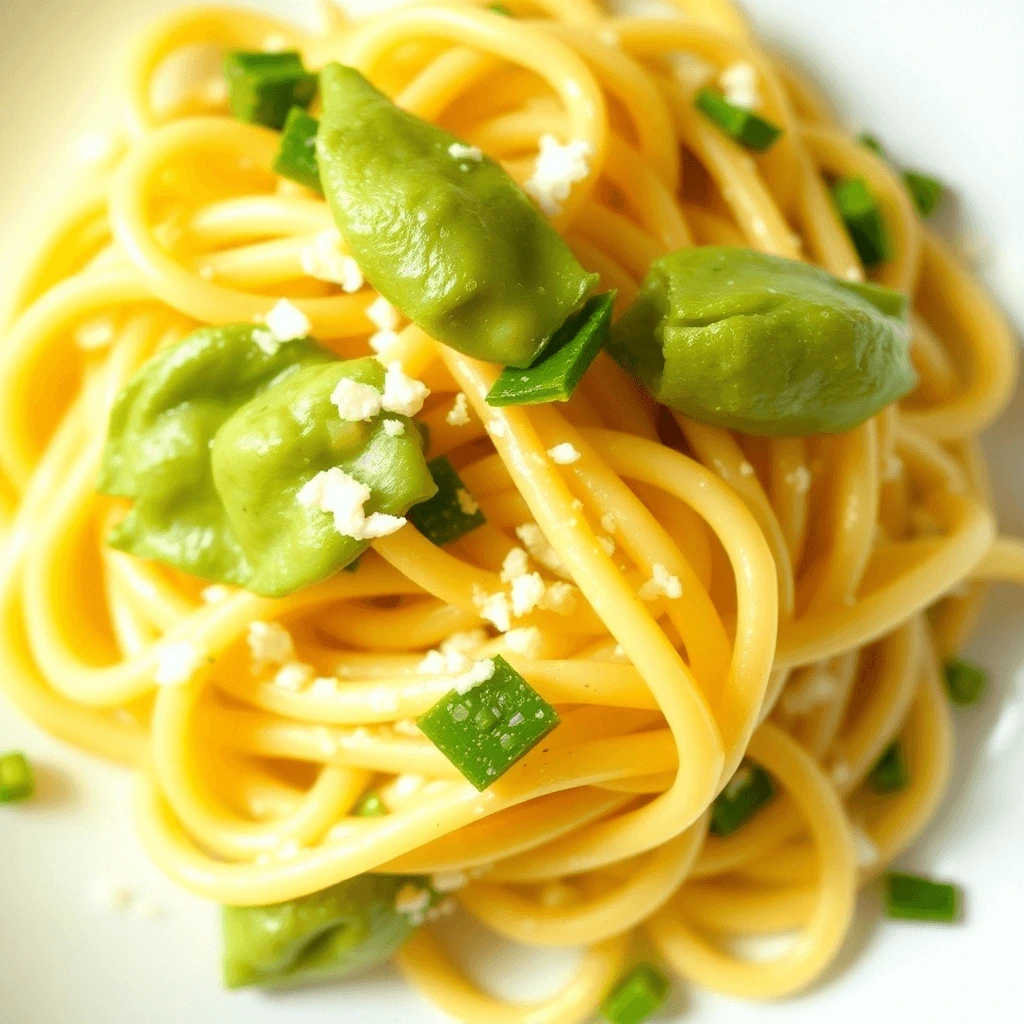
941	84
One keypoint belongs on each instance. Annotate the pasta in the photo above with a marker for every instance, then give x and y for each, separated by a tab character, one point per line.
821	581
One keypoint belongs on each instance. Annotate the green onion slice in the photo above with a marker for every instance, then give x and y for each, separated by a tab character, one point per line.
16	779
263	87
638	995
485	730
925	190
965	681
749	790
296	159
737	122
561	366
913	898
890	773
863	218
449	514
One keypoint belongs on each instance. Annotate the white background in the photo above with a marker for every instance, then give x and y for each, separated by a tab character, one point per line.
941	83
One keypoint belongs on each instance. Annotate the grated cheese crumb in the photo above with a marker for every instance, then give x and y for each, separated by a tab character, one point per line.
540	549
746	469
176	663
382	341
517	563
842	776
460	152
893	468
564	454
464	641
497	427
527	593
607	545
526	640
412	900
324	686
819	688
458	414
269	644
799	479
495	608
394	428
382	700
739	84
479	672
403	394
557	169
354	401
608	523
335	492
286	322
382	314
449	881
468	505
440	663
560	598
661	584
326	261
294	676
95	334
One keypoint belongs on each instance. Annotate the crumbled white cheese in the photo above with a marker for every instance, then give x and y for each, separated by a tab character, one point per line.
560	598
176	663
460	152
406	727
294	676
517	563
619	652
739	84
468	505
275	43
818	688
403	394
893	468
495	608
527	593
557	169
746	469
661	584
394	428
286	322
382	314
564	454
444	662
269	644
215	594
324	686
449	881
842	775
799	479
577	505
95	334
526	640
458	414
411	900
355	401
533	539
382	700
464	641
497	428
691	71
607	545
479	672
326	261
608	523
382	341
342	496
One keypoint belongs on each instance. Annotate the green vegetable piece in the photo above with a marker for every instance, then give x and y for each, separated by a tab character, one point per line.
763	344
561	366
965	682
215	436
748	791
737	122
487	729
326	935
296	159
890	773
920	899
17	782
500	9
448	238
370	806
864	222
868	141
263	87
452	512
925	190
639	994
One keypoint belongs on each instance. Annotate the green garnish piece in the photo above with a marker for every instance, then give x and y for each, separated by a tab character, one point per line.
500	9
913	898
925	190
324	936
561	366
639	994
868	141
452	512
487	729
863	218
737	122
370	806
965	682
890	773
296	159
263	87
748	791
16	779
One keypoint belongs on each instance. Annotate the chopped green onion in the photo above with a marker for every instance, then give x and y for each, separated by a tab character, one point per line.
965	683
500	9
449	514
890	774
561	366
487	729
639	994
868	141
296	159
263	87
925	190
920	899
370	806
862	215
747	793
737	122
16	779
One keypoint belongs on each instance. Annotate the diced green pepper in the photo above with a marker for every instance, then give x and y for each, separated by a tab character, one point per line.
370	806
17	782
890	773
561	366
639	994
737	122
452	512
263	87
326	935
448	239
763	344
863	218
487	729
920	899
213	439
748	791
925	190
296	159
965	682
